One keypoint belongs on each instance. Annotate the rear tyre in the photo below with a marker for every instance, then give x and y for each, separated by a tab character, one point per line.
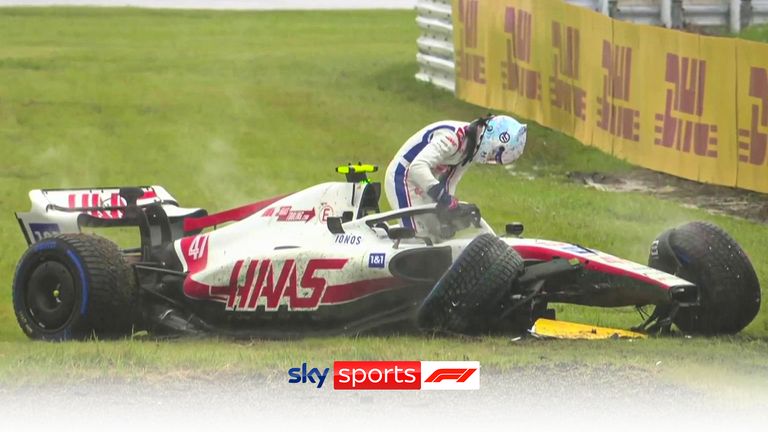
707	256
465	300
73	286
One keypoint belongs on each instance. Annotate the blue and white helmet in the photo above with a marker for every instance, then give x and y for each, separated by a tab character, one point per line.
502	141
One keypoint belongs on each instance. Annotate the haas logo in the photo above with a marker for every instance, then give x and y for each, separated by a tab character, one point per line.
95	200
264	284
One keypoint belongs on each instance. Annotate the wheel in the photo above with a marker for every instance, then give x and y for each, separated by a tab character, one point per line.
704	254
463	300
73	286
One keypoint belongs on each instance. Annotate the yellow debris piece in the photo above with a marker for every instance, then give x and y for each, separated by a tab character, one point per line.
568	330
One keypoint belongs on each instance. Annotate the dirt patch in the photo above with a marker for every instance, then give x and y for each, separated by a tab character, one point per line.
715	199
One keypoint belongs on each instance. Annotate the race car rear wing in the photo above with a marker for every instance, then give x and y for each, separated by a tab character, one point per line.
57	211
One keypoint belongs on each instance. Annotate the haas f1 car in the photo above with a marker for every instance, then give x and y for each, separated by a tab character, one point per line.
325	261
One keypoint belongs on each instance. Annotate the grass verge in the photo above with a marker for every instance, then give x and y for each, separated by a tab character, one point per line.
223	108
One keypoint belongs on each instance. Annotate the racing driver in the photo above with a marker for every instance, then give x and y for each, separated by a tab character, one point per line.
430	164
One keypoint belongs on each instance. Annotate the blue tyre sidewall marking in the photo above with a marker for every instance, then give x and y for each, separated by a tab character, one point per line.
18	296
83	282
18	291
44	245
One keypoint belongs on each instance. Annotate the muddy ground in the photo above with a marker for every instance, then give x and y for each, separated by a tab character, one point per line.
715	199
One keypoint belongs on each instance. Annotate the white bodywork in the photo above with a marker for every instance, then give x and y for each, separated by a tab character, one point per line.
545	249
284	255
56	211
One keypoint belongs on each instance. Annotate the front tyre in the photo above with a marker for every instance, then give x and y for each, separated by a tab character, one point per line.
466	299
73	286
704	254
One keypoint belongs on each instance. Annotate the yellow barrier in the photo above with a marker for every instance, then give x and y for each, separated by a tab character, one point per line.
752	114
689	105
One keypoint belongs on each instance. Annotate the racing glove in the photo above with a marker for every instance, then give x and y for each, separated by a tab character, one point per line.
441	196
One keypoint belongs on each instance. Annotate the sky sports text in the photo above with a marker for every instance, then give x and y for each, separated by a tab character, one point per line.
392	375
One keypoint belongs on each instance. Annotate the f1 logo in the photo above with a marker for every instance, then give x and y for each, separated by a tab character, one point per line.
450	375
458	375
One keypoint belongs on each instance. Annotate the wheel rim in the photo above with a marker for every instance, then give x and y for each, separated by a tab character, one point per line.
50	296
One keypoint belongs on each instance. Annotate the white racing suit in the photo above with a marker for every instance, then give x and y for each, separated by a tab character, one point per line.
433	155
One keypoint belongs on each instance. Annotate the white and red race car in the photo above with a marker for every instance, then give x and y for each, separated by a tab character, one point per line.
325	260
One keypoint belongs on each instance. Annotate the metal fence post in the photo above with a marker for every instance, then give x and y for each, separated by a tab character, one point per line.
677	13
735	16
605	7
666	13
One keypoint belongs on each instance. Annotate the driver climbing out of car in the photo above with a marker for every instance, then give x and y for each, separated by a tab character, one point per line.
428	167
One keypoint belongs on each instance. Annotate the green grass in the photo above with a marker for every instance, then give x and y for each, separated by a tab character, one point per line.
739	365
223	108
758	33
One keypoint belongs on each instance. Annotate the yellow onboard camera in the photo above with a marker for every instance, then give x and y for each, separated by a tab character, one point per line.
357	173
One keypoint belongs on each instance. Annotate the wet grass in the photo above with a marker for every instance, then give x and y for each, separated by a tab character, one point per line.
725	367
224	108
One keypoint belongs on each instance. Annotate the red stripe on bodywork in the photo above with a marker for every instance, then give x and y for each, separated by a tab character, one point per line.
201	291
235	214
149	194
355	290
546	254
333	294
114	201
233	288
96	202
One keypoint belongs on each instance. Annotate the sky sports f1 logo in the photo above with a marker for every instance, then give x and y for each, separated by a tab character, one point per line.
393	375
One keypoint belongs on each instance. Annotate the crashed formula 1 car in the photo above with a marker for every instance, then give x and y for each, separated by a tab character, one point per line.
325	260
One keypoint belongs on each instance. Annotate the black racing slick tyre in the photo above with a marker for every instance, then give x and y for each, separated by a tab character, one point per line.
465	299
74	286
704	254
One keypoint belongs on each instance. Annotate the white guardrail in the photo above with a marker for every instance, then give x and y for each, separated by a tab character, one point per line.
435	43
